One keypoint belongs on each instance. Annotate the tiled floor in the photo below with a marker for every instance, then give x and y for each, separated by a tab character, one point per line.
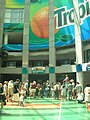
46	109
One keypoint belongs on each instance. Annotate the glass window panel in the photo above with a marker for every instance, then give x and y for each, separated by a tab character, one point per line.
65	61
7	15
7	21
15	15
14	20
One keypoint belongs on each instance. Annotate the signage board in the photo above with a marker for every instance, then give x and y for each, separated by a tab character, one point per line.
38	70
88	67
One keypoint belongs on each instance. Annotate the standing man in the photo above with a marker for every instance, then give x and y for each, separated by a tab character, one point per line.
2	98
16	91
10	90
70	89
26	87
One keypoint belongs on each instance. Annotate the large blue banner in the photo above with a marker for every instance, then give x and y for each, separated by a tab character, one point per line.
64	33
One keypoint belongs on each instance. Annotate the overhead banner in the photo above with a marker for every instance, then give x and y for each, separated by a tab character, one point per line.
64	33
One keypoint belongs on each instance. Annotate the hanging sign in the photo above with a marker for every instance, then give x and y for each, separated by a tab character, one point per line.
38	70
88	67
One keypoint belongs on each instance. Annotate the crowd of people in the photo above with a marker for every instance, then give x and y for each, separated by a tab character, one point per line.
67	90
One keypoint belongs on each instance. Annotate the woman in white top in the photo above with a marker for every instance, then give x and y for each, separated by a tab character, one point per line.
63	91
87	94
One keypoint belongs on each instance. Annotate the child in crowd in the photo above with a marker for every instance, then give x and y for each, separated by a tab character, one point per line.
80	96
21	100
22	96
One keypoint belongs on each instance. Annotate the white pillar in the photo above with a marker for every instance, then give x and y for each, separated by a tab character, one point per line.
6	38
25	57
2	15
52	50
78	42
